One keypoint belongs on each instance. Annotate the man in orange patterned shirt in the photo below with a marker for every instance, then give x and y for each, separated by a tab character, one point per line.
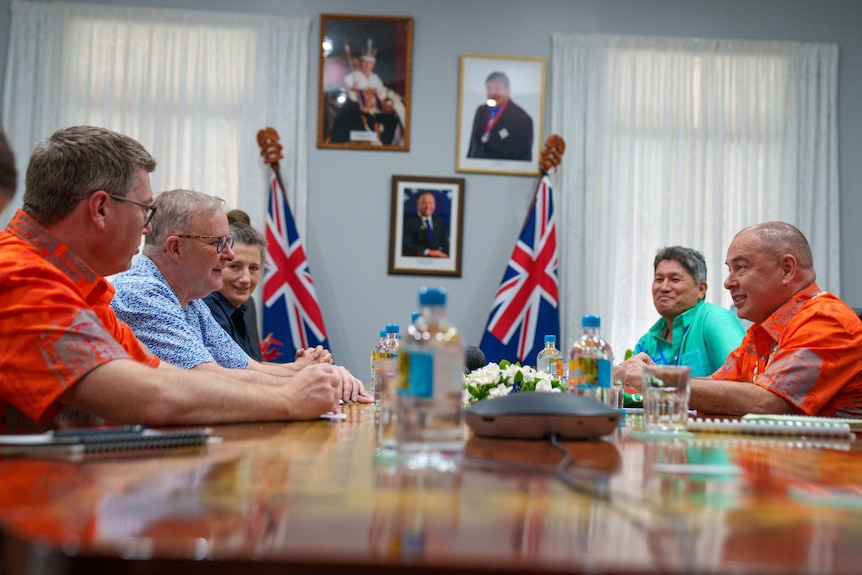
65	358
803	355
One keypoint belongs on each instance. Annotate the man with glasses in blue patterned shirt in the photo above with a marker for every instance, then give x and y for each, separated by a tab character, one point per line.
161	296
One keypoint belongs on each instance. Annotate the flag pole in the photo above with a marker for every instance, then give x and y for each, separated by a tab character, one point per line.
552	155
270	149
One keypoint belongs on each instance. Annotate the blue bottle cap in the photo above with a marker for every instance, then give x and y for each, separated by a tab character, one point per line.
432	296
550	338
591	321
392	328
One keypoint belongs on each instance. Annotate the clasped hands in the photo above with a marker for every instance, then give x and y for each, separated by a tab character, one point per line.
629	371
352	389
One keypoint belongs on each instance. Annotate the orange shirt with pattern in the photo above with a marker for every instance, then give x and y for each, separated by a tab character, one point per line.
808	352
56	323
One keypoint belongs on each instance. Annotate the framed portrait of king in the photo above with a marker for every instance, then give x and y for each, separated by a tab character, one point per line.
364	82
500	119
426	225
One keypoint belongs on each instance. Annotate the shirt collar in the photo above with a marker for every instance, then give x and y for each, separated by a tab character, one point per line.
686	317
776	323
227	305
58	254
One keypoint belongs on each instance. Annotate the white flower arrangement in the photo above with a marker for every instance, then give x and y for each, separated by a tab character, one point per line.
495	380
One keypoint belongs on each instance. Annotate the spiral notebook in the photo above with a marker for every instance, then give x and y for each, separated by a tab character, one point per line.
855	424
77	444
784	425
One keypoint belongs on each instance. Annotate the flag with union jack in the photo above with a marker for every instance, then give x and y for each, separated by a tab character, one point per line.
526	307
291	314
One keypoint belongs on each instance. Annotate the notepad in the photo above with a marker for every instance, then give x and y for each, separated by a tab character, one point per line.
772	427
75	444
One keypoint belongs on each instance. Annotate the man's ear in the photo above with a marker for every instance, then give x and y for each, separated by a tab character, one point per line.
97	208
172	246
789	268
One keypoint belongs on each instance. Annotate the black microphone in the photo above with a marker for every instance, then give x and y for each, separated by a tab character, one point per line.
474	358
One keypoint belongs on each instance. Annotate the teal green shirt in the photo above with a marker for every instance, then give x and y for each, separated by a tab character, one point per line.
702	339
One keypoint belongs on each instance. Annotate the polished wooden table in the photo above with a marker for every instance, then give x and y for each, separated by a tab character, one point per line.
310	498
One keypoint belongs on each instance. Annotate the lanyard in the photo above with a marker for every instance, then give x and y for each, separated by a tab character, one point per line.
492	119
664	360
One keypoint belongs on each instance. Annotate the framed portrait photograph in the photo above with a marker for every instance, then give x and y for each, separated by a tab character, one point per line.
425	233
500	105
363	100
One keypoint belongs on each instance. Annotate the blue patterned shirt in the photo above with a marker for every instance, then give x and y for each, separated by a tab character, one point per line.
183	337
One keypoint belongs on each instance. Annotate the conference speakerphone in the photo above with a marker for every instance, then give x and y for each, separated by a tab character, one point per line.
540	415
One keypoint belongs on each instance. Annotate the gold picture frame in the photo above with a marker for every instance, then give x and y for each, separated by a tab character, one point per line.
507	138
364	82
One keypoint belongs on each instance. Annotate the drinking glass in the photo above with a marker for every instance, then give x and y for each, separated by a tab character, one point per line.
666	391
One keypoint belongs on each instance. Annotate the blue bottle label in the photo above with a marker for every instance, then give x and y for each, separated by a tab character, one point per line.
421	374
604	379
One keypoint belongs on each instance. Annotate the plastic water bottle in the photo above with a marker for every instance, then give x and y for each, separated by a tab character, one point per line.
383	351
393	340
375	363
391	344
550	359
430	430
591	363
387	364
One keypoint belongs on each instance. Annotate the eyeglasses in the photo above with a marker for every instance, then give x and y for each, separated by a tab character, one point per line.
222	241
151	210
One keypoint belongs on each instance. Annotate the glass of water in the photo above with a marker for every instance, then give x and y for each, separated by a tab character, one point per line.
666	391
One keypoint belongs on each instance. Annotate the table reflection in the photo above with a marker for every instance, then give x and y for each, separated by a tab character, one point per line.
312	493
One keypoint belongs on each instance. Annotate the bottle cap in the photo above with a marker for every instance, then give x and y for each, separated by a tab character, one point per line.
414	316
550	338
591	321
382	333
432	296
392	328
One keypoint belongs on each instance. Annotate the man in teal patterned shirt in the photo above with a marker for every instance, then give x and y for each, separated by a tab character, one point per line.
691	331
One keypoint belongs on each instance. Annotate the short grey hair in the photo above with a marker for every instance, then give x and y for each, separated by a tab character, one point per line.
782	238
498	76
691	260
175	210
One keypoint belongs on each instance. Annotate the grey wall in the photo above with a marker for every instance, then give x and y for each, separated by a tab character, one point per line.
349	191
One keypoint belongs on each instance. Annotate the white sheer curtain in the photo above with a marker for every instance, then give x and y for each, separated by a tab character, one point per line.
685	142
194	87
